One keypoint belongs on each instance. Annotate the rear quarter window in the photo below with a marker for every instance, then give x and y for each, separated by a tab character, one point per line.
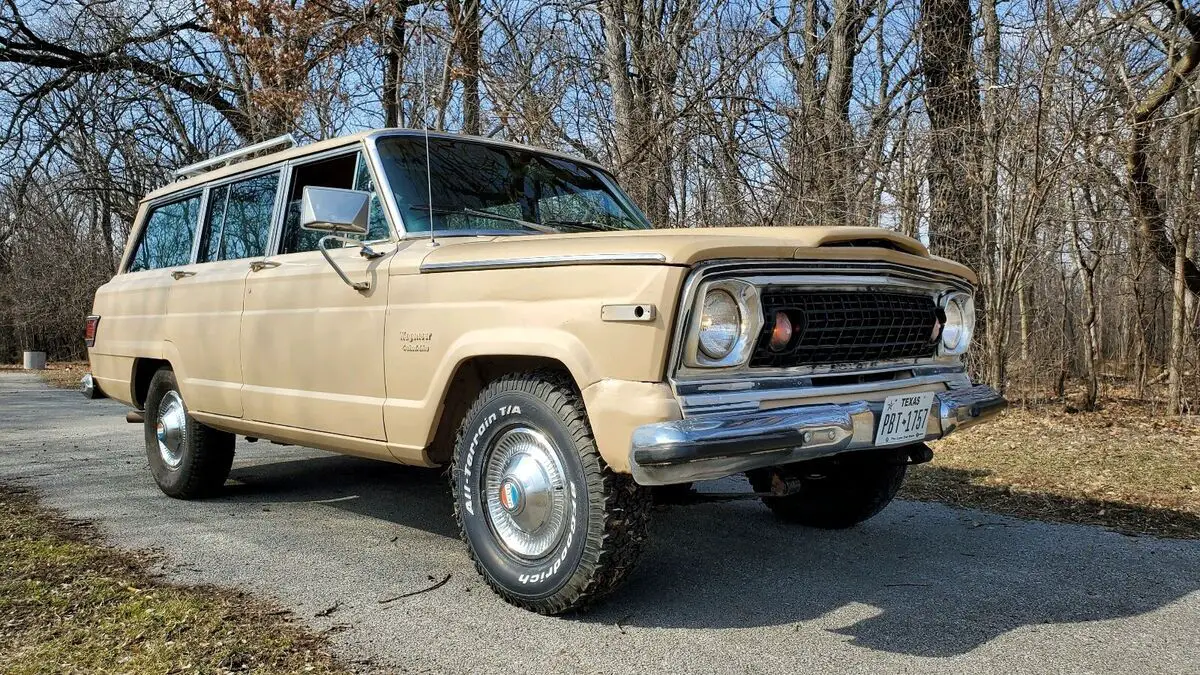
166	240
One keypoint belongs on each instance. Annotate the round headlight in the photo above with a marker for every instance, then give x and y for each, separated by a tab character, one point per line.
960	322
720	324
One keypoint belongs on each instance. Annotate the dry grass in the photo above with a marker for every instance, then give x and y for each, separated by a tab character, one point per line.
69	605
1124	467
61	374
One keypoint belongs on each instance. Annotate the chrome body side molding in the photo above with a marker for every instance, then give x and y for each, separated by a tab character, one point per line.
547	261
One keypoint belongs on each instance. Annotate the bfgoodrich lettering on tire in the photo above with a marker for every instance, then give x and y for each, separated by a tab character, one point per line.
550	527
188	460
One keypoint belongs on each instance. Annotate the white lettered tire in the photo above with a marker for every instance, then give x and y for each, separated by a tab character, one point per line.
550	527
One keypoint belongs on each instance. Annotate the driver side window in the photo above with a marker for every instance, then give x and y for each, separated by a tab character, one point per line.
348	172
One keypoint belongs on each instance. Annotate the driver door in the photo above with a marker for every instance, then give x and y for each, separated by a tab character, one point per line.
312	346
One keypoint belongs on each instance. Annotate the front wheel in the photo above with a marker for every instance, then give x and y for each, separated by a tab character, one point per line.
550	527
834	494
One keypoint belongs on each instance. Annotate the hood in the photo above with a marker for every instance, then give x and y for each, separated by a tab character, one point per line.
688	246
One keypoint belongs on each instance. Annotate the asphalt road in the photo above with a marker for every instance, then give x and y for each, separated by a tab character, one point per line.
723	588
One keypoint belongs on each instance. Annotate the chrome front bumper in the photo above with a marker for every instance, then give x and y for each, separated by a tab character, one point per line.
719	444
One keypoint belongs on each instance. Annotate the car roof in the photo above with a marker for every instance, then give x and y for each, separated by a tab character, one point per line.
301	151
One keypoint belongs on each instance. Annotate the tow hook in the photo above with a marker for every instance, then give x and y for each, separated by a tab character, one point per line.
784	483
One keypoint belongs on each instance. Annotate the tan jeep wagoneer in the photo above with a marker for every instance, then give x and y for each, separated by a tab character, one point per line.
508	312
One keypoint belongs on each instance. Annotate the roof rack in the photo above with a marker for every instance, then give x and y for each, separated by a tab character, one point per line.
232	157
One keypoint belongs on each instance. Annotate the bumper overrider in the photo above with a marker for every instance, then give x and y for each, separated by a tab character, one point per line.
715	445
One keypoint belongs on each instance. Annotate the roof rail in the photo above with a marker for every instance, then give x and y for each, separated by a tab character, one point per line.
234	156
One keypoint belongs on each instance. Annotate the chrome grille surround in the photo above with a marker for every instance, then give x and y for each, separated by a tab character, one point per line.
745	387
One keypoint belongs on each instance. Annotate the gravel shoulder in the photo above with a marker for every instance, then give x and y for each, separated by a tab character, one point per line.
724	587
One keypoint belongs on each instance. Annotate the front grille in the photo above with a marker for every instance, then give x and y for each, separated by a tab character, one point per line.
831	327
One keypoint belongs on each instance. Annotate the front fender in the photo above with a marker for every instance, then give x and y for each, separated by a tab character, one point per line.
442	320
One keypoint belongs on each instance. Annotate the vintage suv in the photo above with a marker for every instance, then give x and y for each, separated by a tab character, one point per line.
508	312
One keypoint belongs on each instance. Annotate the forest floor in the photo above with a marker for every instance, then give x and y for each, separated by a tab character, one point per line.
1127	467
71	604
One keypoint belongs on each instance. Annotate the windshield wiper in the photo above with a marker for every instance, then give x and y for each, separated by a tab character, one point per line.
484	214
591	225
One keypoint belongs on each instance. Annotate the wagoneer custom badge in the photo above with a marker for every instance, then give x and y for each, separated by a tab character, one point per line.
509	313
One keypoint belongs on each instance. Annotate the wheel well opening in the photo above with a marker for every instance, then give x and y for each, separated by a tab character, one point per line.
468	380
143	372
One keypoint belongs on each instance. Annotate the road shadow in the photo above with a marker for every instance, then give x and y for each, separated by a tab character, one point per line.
405	495
924	580
919	579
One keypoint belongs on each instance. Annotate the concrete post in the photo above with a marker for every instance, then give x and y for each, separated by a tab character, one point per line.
35	360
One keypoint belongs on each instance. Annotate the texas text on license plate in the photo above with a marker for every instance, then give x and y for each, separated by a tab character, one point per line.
904	418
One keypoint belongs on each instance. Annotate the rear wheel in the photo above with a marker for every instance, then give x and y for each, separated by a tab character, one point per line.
550	527
188	460
833	494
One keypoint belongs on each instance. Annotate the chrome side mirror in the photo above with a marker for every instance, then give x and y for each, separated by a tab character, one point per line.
325	209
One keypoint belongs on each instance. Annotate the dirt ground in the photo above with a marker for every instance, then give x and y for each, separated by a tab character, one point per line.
1127	467
64	375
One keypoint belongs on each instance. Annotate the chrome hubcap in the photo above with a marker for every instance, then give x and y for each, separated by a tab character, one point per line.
171	429
524	484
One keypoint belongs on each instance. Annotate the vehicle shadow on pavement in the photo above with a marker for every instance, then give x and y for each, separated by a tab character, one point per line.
919	579
409	496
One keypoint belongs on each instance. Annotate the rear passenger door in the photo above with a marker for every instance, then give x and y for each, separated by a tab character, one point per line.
312	347
205	306
133	305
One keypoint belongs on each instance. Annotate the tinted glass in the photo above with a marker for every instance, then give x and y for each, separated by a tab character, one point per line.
334	172
239	219
480	187
218	201
377	225
348	172
168	235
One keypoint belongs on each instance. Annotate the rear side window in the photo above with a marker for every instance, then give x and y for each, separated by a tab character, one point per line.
168	235
238	224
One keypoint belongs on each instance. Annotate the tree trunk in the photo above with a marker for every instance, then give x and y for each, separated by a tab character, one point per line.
1025	308
837	136
393	66
1091	348
1175	361
625	114
1148	212
952	100
471	32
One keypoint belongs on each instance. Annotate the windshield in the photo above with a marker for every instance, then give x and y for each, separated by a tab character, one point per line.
487	189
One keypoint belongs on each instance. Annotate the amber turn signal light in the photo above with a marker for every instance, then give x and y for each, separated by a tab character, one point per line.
781	334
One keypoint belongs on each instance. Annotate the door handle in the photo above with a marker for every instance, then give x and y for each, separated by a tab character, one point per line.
179	274
260	265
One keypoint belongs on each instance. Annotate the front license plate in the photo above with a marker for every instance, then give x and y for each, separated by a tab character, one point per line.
904	418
